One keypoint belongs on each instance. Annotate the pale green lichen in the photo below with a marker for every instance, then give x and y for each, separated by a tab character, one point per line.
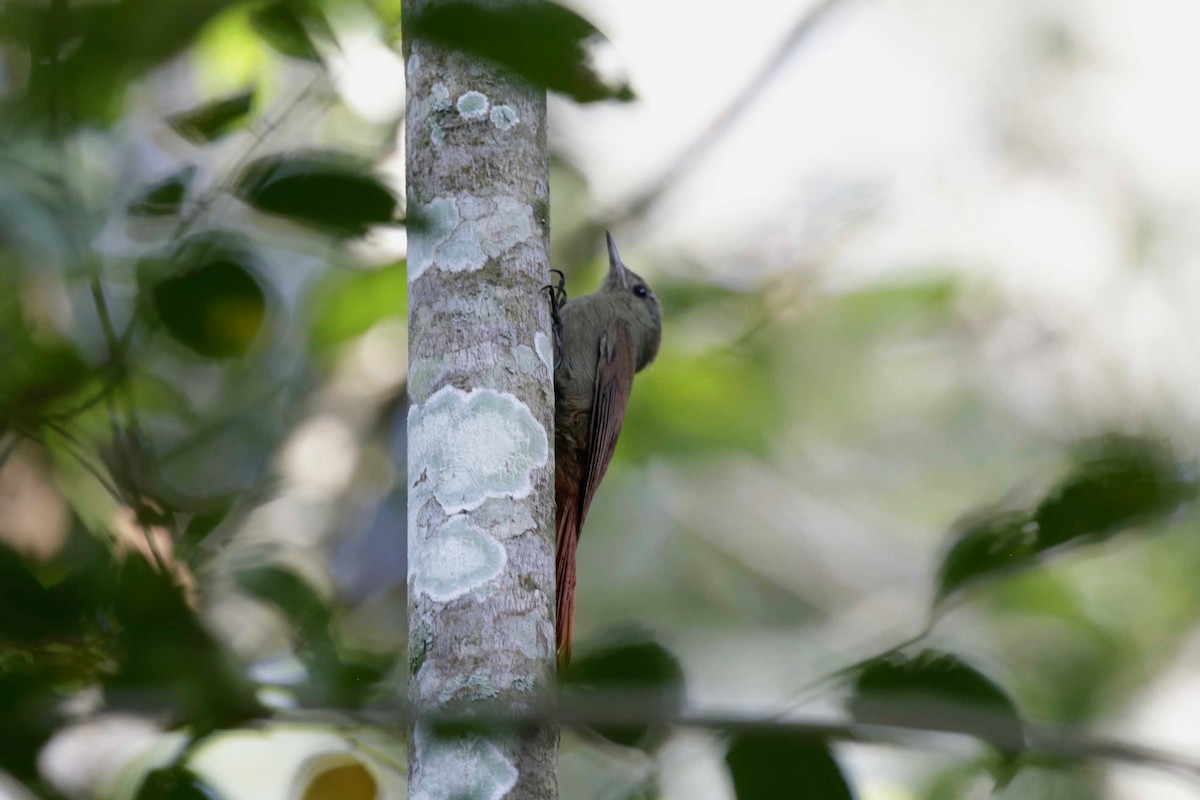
462	234
454	559
503	117
472	105
439	97
460	767
504	518
545	349
476	686
438	221
474	445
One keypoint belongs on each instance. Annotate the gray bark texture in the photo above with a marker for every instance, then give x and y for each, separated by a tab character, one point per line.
481	452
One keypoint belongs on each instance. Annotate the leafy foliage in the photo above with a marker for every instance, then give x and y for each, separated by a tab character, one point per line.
544	43
349	303
635	667
323	189
942	691
174	783
290	25
213	120
165	197
1117	483
337	678
66	43
211	302
771	765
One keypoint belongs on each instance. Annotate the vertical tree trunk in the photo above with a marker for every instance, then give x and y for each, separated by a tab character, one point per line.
481	452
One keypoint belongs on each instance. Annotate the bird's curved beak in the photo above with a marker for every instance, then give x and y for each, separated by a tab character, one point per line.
614	260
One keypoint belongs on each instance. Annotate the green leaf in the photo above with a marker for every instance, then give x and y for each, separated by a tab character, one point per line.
83	55
323	189
544	43
289	26
206	520
350	302
30	710
769	765
687	403
213	120
306	610
37	375
338	678
986	545
166	196
635	667
169	662
1118	482
174	783
937	690
30	611
212	303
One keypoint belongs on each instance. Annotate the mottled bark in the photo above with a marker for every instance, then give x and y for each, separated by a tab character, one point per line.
481	453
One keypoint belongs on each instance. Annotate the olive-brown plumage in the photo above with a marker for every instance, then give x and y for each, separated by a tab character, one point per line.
607	337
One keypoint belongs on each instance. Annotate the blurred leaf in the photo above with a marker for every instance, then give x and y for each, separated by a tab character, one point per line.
784	766
212	303
169	661
349	303
307	611
289	25
1118	482
28	713
337	678
166	196
988	544
83	55
37	375
174	783
30	611
213	120
319	188
938	690
638	668
710	401
206	520
544	43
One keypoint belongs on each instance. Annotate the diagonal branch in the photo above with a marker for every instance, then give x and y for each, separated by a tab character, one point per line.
584	236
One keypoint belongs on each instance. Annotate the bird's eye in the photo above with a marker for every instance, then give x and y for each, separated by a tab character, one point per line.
641	291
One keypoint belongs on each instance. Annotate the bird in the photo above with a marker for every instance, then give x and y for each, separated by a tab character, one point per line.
602	340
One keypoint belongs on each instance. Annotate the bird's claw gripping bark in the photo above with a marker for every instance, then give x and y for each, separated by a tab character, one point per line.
557	293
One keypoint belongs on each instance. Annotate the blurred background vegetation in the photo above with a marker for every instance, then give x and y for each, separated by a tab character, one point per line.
912	470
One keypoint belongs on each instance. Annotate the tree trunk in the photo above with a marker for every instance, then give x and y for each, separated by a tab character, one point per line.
481	452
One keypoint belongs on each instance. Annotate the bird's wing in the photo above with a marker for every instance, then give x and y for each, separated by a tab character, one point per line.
615	368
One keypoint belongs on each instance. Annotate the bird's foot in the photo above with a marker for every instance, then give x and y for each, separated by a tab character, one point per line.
557	294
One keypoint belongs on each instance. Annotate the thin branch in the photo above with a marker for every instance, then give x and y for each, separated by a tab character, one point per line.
1051	742
687	159
70	442
226	184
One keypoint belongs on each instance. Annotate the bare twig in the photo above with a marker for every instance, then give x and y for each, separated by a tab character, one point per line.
687	159
1048	742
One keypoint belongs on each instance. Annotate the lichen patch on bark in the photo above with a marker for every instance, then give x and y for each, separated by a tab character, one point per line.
475	445
461	767
455	559
460	234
